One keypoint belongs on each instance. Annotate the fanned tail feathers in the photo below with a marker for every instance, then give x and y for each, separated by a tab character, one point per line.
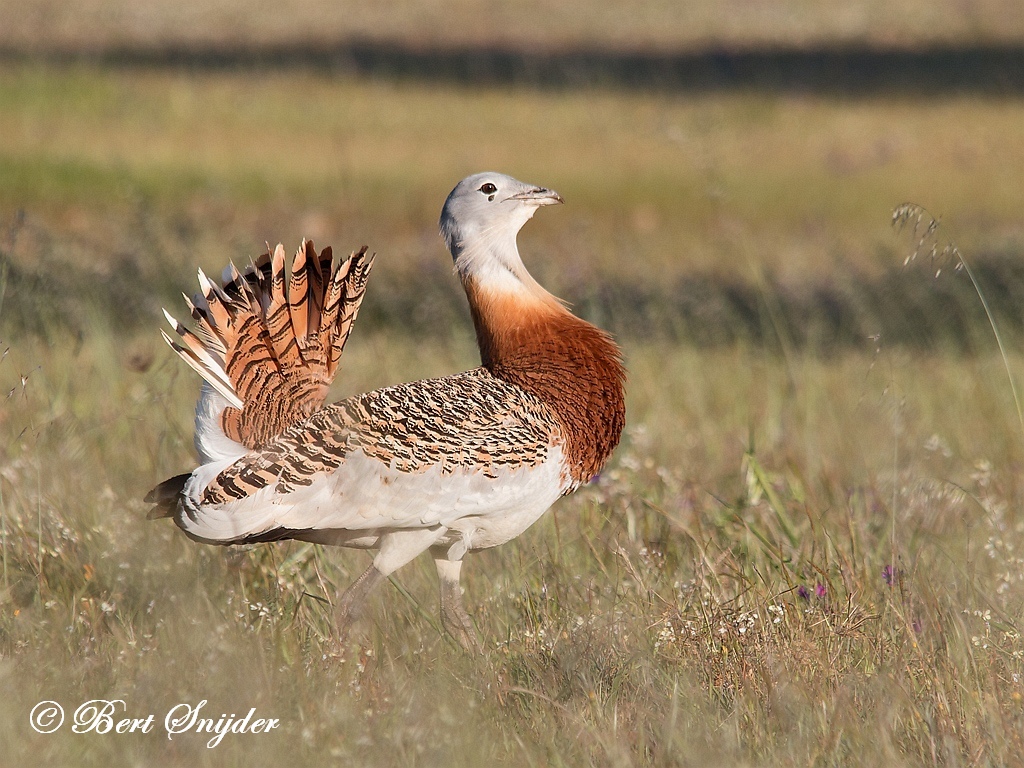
269	350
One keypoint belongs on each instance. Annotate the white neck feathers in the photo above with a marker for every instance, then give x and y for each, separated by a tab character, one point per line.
490	259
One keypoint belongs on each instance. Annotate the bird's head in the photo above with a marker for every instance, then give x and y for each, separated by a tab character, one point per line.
483	215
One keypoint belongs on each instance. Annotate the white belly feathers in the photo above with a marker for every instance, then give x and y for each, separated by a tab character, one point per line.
365	495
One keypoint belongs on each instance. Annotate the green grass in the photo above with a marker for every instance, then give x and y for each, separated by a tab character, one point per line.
718	597
727	184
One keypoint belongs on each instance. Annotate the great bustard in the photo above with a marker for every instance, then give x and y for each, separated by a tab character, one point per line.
449	465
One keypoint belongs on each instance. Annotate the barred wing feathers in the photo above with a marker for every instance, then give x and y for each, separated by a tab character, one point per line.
272	352
408	456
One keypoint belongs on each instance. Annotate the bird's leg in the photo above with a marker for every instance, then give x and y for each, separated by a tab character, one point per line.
353	600
396	549
454	618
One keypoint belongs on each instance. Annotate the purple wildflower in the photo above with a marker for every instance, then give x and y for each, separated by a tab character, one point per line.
802	593
889	575
819	590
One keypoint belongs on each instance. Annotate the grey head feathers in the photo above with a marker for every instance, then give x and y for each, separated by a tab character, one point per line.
483	215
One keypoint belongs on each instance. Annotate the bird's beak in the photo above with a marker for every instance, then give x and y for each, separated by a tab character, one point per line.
540	196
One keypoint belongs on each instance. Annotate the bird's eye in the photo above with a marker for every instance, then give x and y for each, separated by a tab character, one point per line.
488	188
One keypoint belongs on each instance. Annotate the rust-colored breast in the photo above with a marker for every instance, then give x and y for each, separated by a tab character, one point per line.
572	366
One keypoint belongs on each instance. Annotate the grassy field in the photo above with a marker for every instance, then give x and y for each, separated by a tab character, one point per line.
659	24
797	556
657	185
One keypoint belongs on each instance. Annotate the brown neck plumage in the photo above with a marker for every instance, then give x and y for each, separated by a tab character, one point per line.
532	341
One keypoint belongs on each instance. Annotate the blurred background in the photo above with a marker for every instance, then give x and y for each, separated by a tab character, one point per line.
717	158
815	395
